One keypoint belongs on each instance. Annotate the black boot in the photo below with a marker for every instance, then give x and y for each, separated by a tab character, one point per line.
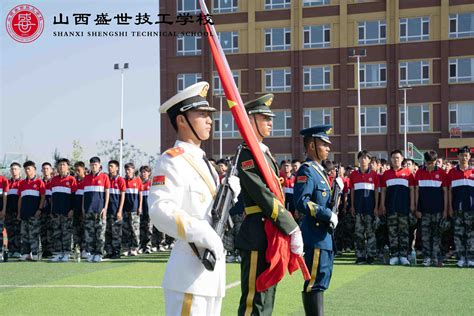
313	303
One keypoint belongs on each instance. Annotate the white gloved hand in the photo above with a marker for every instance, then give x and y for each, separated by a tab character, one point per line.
296	242
234	184
334	220
210	240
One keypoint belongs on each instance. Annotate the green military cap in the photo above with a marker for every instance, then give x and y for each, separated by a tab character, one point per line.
260	105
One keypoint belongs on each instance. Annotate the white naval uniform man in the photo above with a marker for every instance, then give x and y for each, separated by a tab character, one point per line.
183	188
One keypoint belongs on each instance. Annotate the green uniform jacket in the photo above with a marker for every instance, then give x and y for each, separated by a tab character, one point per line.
260	203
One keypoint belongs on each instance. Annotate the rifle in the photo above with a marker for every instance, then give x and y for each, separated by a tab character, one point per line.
221	220
337	186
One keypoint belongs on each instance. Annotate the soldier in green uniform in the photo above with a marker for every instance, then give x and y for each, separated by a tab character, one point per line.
260	204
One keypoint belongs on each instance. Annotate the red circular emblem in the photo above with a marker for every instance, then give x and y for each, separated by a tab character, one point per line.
370	179
25	23
67	183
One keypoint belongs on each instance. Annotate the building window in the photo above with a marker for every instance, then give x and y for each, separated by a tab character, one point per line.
229	41
188	6
461	70
217	88
278	80
372	32
277	4
418	119
462	115
317	36
186	80
229	127
282	157
373	119
311	3
225	6
461	25
373	75
317	78
281	123
189	45
379	154
414	72
415	29
319	116
277	39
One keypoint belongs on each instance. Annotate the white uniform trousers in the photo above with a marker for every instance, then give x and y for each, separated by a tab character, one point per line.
184	304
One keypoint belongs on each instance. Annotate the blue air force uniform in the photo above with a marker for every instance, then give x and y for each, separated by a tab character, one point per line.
312	195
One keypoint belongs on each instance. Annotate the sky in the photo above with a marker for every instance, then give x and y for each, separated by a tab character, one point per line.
59	89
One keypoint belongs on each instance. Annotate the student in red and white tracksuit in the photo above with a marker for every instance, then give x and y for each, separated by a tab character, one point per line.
146	227
132	210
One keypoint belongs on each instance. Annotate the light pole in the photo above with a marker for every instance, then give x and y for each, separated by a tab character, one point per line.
405	142
361	53
220	95
117	67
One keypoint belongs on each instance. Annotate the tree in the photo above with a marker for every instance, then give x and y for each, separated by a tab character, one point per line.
56	157
77	152
111	150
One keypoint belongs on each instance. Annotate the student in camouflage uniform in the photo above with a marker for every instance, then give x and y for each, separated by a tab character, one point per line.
146	227
462	207
63	188
78	219
113	230
46	229
132	211
364	184
32	192
397	201
12	224
3	210
431	194
260	204
94	209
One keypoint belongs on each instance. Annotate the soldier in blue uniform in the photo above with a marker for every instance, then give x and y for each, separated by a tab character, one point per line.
312	195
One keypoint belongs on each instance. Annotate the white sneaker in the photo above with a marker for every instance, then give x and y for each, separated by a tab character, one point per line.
34	258
427	262
162	248
97	258
140	251
90	258
56	258
126	253
404	261
25	257
16	255
230	259
1	257
461	262
65	258
85	254
470	263
133	253
154	249
394	261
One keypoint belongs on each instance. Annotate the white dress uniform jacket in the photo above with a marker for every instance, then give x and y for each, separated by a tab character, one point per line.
180	202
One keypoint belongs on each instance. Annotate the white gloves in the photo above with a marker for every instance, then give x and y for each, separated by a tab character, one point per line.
210	240
234	184
340	183
296	242
334	220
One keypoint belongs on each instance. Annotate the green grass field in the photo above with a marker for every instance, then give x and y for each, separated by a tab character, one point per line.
131	286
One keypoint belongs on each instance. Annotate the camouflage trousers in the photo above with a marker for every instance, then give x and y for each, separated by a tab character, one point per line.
431	235
230	235
62	233
1	234
464	234
113	235
347	227
398	229
94	227
146	231
78	230
30	235
365	236
13	227
46	231
381	234
130	231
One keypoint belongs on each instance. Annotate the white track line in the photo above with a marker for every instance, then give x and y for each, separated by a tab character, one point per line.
86	286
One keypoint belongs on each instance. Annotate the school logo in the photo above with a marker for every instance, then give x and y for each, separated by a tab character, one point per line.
437	176
370	179
67	183
24	23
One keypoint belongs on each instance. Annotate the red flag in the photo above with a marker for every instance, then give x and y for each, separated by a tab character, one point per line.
278	251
